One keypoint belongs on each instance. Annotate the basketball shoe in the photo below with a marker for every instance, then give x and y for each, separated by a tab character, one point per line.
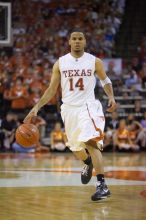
102	192
86	173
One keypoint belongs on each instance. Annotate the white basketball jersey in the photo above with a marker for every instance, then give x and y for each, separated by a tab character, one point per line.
77	78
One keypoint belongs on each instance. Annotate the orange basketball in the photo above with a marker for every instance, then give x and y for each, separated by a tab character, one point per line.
27	135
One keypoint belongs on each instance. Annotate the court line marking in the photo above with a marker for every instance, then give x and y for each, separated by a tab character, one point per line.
75	169
44	177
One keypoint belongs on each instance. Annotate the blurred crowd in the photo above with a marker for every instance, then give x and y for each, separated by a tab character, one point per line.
39	38
125	134
40	35
121	134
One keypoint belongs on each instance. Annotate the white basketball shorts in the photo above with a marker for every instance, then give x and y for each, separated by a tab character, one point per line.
83	123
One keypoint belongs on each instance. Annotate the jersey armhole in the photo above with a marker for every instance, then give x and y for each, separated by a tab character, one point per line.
95	67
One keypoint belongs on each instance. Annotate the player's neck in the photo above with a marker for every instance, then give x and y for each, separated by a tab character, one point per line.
77	54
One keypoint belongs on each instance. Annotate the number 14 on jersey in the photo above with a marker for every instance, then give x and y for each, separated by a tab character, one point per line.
79	84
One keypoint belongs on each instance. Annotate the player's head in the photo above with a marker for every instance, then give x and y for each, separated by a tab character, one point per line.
77	41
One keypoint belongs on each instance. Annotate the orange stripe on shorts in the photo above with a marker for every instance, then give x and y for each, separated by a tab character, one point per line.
101	137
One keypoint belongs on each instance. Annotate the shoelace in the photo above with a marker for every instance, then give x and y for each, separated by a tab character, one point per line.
85	170
99	186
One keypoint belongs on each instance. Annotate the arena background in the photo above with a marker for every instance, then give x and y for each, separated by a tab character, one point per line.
115	33
33	34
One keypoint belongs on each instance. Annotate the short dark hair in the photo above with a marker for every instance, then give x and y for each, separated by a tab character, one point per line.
76	30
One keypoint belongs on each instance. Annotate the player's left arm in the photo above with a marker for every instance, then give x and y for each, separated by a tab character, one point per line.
106	84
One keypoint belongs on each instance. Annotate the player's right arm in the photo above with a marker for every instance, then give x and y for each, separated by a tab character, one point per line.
48	94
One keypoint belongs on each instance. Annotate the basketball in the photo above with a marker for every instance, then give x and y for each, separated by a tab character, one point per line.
27	135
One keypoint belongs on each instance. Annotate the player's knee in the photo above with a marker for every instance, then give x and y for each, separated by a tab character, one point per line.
94	144
91	143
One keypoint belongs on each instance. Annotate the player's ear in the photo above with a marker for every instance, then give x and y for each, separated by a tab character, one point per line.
69	42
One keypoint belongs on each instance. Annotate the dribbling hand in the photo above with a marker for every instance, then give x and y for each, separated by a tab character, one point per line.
31	116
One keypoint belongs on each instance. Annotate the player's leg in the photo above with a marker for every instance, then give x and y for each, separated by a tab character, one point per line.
97	159
70	116
102	190
86	173
81	155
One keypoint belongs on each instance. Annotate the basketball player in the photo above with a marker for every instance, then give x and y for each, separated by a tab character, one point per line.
81	113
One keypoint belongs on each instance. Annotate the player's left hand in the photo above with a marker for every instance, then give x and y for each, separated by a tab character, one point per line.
111	105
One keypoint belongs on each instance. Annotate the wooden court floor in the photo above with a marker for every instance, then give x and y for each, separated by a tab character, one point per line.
48	187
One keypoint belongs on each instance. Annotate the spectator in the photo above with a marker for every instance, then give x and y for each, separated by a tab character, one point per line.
101	54
112	125
8	126
141	139
122	139
136	65
132	80
113	122
17	148
142	74
138	109
41	124
142	49
34	97
37	82
121	111
143	121
129	120
18	95
58	138
134	130
111	72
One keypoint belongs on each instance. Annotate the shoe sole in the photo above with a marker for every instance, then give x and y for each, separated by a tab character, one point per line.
86	182
103	197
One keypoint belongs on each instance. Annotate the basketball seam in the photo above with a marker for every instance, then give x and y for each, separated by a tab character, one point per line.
24	136
31	132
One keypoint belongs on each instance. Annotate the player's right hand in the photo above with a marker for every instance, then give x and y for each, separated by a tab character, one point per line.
31	115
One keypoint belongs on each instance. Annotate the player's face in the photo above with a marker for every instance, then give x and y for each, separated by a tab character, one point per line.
77	41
